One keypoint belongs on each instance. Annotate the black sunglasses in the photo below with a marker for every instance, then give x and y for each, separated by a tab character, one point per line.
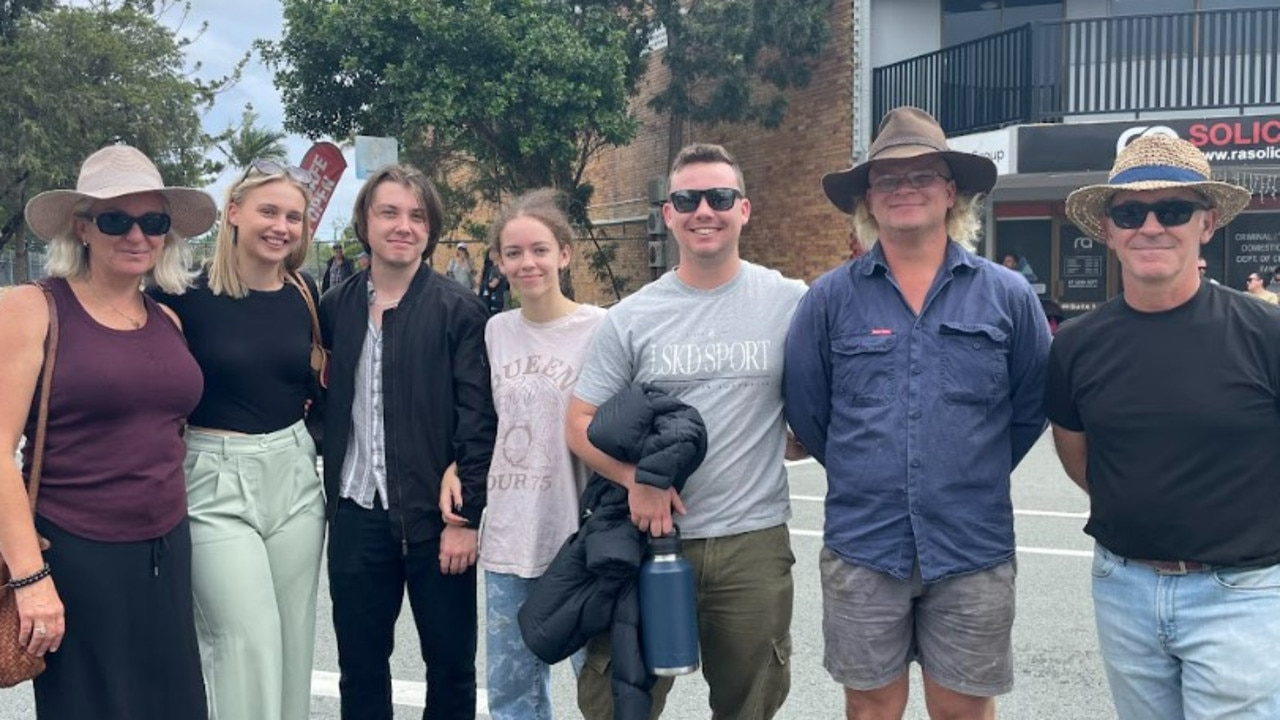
1169	213
271	167
115	222
718	199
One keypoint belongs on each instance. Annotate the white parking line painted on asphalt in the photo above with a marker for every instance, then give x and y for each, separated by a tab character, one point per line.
403	692
798	463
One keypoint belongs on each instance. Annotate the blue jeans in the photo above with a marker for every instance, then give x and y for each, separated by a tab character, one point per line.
519	683
1195	646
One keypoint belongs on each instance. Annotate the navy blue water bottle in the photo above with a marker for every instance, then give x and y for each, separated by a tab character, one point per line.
668	609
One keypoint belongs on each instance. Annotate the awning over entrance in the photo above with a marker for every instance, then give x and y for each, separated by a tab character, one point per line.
1042	187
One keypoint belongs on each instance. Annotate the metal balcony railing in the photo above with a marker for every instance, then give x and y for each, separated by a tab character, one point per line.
1045	70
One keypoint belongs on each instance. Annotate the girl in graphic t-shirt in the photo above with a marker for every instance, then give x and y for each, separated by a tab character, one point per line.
535	354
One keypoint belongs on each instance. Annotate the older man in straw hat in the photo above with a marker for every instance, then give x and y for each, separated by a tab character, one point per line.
915	375
1176	444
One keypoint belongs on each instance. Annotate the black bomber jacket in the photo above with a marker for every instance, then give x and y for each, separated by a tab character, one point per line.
437	400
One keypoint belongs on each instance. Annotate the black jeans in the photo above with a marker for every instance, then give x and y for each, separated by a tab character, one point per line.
368	573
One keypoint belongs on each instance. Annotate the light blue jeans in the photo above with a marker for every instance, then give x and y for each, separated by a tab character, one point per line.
1196	646
519	683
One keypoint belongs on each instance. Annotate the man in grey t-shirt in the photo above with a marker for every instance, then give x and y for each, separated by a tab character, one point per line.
711	333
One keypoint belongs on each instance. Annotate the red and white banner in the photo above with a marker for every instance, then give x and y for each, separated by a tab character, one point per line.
325	163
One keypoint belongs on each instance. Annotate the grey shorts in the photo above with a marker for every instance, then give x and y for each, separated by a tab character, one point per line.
958	629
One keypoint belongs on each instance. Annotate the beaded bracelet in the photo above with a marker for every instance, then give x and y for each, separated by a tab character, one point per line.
31	579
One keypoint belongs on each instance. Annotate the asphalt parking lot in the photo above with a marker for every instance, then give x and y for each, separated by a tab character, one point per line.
1058	671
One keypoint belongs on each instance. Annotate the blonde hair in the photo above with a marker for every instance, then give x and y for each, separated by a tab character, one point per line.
69	256
963	222
224	272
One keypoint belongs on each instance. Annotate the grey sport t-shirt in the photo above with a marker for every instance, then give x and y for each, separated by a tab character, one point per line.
720	351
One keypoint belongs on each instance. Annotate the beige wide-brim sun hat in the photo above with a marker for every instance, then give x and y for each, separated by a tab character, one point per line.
116	171
908	132
1155	162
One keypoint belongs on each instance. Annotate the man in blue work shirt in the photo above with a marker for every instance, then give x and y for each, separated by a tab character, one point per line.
915	375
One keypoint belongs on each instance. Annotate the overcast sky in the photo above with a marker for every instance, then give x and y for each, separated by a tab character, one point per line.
233	27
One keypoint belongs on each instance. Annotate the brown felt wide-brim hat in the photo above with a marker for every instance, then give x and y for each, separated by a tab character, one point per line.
1155	162
116	171
908	132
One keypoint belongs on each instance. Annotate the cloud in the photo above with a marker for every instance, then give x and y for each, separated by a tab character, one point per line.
233	27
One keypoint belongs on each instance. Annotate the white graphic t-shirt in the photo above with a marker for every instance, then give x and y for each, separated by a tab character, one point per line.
534	481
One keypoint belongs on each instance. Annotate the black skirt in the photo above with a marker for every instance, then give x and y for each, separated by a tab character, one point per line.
130	649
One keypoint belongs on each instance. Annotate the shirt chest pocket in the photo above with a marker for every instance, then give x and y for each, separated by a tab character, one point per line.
863	370
974	362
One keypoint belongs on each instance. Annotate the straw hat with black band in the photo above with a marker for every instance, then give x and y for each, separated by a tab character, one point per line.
908	132
116	171
1155	162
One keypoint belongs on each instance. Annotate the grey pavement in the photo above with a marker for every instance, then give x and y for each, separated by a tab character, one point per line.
1058	671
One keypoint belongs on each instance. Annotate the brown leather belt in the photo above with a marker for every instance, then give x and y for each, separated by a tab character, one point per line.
1176	567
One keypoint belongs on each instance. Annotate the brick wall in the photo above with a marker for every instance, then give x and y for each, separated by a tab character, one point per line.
793	227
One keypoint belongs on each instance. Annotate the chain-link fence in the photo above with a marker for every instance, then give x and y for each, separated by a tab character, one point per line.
8	263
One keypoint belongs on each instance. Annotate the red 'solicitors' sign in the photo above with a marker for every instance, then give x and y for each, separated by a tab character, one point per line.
325	162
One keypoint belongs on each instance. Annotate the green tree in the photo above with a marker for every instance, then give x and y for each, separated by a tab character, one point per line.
250	141
733	60
494	97
13	10
490	97
75	79
520	92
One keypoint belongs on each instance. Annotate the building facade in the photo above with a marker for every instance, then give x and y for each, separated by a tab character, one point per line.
1049	90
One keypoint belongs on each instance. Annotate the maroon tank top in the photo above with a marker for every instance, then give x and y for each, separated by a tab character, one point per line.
113	449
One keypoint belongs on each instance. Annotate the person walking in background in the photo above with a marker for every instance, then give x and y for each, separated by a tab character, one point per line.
117	576
915	376
255	501
1175	443
338	268
535	354
461	269
408	397
494	287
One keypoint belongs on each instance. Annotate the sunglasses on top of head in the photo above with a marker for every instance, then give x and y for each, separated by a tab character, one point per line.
115	222
1169	213
718	199
271	167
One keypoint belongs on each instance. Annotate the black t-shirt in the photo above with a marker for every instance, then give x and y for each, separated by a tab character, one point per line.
1181	412
254	352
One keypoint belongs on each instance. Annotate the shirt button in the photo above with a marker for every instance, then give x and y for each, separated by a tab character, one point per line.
915	369
915	414
915	463
977	346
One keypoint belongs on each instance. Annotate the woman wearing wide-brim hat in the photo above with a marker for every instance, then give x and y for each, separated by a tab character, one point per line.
109	603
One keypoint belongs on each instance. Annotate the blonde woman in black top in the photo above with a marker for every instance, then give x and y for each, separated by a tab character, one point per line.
255	501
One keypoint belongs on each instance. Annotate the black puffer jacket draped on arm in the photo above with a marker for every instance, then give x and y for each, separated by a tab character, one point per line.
590	586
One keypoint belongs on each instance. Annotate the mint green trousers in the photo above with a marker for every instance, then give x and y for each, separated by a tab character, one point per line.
256	509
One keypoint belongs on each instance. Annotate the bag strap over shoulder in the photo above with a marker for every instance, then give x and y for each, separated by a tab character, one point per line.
318	359
46	388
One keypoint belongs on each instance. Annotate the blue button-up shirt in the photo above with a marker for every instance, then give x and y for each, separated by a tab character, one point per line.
918	419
